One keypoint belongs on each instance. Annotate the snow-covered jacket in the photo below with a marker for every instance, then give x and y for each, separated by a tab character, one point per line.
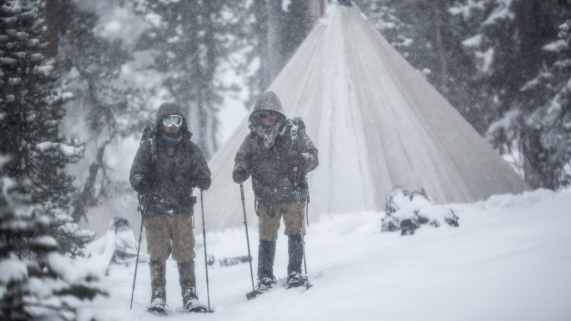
167	172
272	175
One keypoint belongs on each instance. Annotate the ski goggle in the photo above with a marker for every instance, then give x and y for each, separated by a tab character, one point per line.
172	120
263	115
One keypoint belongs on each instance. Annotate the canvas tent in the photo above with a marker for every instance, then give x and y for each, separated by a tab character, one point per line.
377	124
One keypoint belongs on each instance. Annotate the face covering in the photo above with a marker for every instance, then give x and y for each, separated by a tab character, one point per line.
170	140
269	134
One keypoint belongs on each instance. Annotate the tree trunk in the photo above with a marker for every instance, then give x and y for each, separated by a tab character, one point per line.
52	17
87	195
438	9
287	29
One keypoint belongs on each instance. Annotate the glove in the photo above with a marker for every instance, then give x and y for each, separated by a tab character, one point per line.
145	186
203	183
296	160
239	175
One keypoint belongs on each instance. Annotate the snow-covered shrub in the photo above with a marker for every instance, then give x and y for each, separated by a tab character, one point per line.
564	31
36	282
406	211
118	246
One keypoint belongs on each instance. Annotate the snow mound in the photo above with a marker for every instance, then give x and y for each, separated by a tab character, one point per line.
118	246
509	260
406	211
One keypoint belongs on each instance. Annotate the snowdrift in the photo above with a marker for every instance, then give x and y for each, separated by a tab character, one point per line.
508	260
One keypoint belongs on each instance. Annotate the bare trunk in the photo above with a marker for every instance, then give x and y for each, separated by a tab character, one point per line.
52	17
442	56
87	195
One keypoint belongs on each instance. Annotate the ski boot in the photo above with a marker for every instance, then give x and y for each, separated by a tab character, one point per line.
266	283
158	283
296	279
190	302
263	286
187	280
158	302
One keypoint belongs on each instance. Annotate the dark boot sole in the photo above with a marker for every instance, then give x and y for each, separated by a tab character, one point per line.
182	310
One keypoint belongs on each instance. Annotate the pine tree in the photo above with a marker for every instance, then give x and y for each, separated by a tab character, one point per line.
36	282
565	27
257	55
383	14
272	30
509	36
288	24
564	33
550	93
109	109
31	108
429	36
190	40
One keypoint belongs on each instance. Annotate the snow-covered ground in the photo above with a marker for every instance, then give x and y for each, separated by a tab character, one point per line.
510	259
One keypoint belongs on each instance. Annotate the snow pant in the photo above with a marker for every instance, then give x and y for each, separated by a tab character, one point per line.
168	234
269	218
186	277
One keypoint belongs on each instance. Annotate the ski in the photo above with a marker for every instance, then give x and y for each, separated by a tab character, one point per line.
254	294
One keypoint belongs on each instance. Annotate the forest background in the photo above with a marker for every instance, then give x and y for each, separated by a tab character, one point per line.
79	79
500	63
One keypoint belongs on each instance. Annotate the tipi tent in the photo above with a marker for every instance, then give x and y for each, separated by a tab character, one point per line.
377	124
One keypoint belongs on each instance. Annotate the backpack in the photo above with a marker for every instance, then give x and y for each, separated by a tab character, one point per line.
149	133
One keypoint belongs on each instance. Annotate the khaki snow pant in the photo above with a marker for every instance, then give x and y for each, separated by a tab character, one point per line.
269	220
170	233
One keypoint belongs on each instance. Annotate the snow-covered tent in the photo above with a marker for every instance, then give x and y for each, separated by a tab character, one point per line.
377	124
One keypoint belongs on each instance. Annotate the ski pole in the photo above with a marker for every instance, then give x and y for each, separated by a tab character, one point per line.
307	205
295	169
205	255
307	209
247	237
137	261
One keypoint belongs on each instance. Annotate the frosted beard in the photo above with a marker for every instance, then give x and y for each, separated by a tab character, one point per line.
270	134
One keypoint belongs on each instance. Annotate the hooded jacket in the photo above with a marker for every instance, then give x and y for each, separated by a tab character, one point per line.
270	168
166	169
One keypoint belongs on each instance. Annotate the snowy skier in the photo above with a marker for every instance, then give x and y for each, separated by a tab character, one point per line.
272	150
166	168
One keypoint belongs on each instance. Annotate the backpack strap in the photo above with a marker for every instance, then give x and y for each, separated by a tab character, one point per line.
150	134
296	124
